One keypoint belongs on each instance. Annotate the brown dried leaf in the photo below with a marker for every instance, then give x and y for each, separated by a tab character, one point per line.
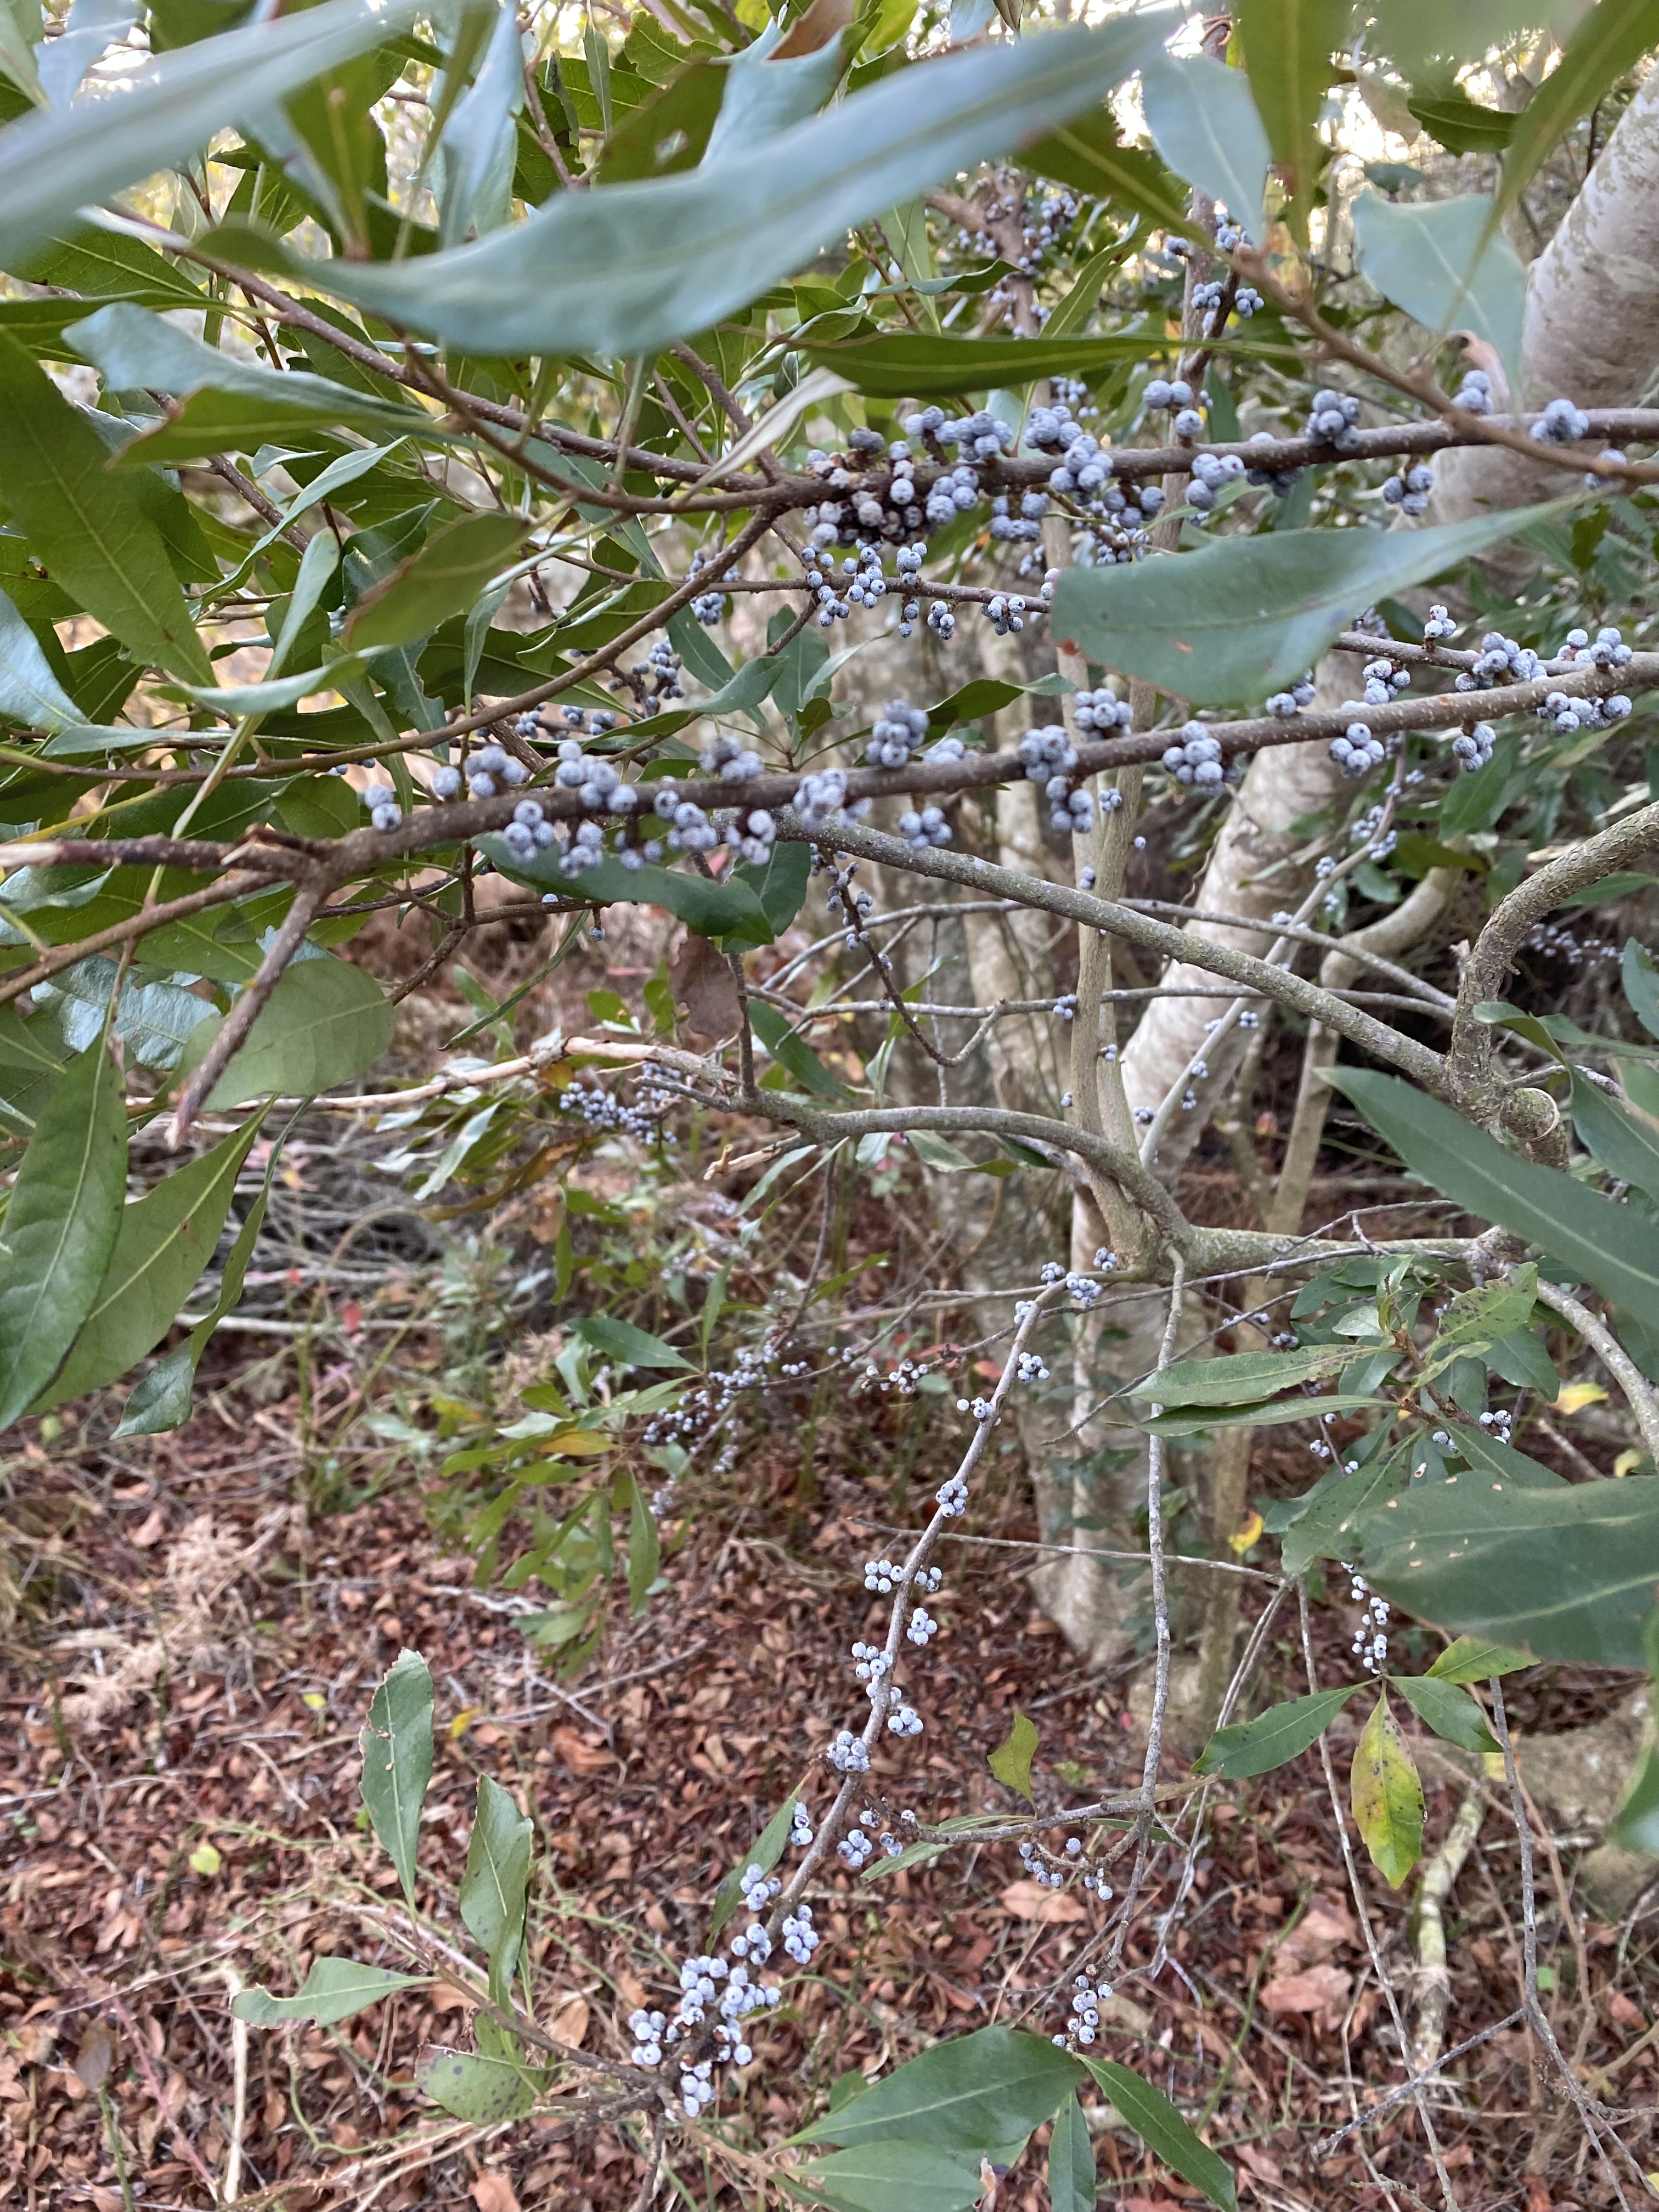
1029	1900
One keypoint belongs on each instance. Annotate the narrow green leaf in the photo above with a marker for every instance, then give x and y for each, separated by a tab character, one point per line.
1450	1710
1487	1453
1605	1244
1475	1319
334	1989
1270	1413
107	264
1293	42
442	578
482	2089
1387	1795
1563	1573
29	692
1339	1509
1272	1738
1010	1762
1444	264
325	1023
1640	978
161	1400
724	909
1243	616
496	1882
1607	44
164	1241
1204	123
86	527
1473	1659
897	2176
918	365
1165	2133
628	270
60	1225
1626	1146
1241	1377
1072	315
620	1339
227	404
773	1027
51	165
1460	125
397	1749
976	2093
1071	2162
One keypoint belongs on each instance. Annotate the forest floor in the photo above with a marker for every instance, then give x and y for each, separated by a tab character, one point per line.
188	1661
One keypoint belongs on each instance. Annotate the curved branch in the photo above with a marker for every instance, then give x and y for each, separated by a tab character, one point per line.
1411	1058
1469	1057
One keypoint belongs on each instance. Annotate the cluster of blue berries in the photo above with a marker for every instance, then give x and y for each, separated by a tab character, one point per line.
1176	398
486	771
709	606
925	830
1473	395
982	436
1561	423
884	1576
898	732
1410	492
1283	704
1439	626
1500	660
659	674
1609	651
1196	759
1086	2001
953	495
1051	760
1331	420
1101	712
1006	612
529	831
1382	679
1280	482
1211	473
1026	527
1356	752
847	1754
821	801
1208	296
1371	1641
384	811
603	1110
1569	715
1473	746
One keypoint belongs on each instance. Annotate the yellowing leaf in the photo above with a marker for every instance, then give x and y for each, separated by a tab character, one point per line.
1242	1538
463	1721
204	1859
1628	1461
314	1699
1010	1762
1575	1396
1387	1795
